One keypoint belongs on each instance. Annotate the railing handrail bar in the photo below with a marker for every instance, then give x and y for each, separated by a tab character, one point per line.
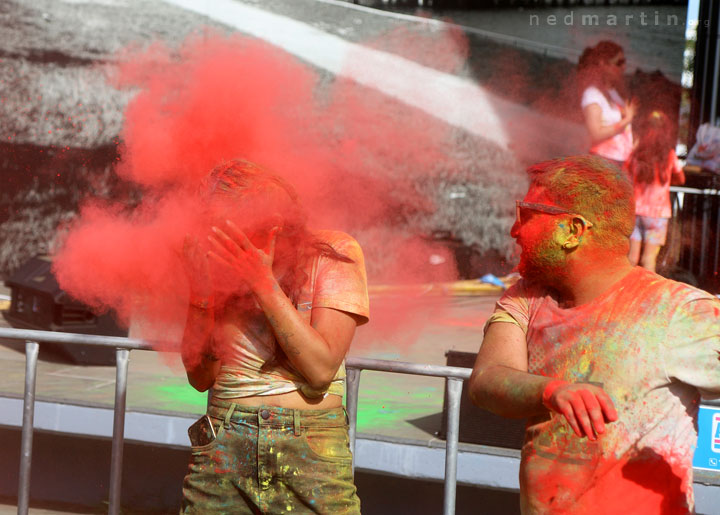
404	367
120	342
697	191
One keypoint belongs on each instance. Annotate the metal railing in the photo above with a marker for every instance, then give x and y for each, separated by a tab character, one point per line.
694	238
454	377
32	346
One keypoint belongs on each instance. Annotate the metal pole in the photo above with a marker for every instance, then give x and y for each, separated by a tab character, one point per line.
453	387
704	233
704	13
682	216
74	338
402	367
122	356
352	380
693	230
716	70
31	355
717	238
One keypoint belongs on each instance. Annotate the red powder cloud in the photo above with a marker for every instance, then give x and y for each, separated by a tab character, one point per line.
216	98
352	153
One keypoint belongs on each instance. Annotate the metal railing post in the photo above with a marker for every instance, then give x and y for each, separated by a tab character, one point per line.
704	233
122	356
714	90
717	239
454	391
352	380
31	355
693	234
682	218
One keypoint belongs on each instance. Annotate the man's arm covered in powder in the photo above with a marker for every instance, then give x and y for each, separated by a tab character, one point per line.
501	383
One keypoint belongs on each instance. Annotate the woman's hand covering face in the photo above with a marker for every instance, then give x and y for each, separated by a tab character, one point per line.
233	249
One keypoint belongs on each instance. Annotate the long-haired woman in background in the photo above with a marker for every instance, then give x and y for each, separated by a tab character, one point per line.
653	166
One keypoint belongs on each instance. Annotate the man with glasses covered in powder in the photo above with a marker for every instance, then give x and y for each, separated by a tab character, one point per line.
608	361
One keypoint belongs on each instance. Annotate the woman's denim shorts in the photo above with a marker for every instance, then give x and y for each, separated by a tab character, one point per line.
272	460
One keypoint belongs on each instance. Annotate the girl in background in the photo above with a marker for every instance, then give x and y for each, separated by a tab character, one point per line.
608	115
653	167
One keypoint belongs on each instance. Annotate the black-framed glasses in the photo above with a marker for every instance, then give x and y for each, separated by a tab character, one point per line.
545	208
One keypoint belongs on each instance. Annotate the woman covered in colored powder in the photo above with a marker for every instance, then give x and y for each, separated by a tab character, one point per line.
653	166
273	310
608	115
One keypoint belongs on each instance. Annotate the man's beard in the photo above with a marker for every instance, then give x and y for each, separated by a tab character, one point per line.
543	263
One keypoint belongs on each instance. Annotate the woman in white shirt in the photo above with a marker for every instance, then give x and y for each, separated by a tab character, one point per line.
608	115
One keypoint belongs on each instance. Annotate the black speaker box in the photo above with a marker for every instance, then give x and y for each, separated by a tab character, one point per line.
37	302
477	425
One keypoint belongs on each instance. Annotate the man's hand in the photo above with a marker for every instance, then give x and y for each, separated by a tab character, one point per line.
586	407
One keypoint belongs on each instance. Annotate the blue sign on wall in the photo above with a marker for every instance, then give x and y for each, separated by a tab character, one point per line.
707	454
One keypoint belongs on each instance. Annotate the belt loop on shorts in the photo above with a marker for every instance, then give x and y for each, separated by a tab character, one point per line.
228	415
296	421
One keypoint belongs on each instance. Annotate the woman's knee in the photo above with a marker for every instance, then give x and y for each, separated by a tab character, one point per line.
634	254
649	257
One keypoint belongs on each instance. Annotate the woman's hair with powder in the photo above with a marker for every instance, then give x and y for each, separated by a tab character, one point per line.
650	158
589	72
259	200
